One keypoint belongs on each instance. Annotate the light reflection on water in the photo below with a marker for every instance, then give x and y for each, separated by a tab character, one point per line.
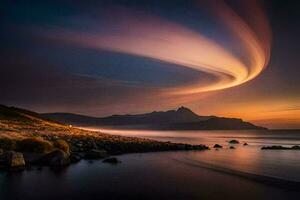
169	175
276	163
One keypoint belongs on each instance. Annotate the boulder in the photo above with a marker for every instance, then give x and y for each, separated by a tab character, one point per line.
95	154
75	157
94	145
56	158
232	147
218	146
278	147
112	160
234	142
14	160
32	158
295	147
79	144
2	159
245	144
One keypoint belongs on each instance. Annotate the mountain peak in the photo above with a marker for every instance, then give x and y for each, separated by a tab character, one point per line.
178	119
184	109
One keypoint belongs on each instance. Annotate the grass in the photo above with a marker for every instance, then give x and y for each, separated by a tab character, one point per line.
33	144
26	131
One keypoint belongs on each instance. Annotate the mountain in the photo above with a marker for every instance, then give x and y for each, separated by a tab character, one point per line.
37	140
180	119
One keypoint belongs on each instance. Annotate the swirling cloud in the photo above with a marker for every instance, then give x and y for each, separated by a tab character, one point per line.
160	39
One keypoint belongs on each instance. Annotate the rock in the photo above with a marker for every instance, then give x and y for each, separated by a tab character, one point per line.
217	146
234	142
2	160
232	147
94	145
14	160
75	157
295	147
56	158
95	154
245	144
275	148
112	160
79	144
32	158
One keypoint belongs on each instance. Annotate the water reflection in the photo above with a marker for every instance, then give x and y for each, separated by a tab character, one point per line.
139	176
282	164
158	175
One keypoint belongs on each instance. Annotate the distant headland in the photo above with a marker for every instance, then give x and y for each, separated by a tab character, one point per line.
180	119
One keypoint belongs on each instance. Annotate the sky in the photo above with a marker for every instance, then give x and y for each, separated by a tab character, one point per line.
226	58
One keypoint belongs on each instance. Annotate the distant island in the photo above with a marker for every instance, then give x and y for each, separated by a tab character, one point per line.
181	119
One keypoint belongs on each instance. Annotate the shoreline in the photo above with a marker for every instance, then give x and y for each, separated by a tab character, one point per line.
34	150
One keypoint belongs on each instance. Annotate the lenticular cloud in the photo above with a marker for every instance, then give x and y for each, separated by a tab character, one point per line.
167	41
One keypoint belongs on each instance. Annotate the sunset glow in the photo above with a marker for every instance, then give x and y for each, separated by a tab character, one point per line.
159	39
226	58
149	99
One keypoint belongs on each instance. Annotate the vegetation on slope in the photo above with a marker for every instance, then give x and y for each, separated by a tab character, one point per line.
27	132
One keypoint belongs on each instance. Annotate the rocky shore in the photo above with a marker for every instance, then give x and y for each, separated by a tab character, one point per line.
27	139
60	151
295	147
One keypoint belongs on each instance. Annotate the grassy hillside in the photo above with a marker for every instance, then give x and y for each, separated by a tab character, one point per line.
18	124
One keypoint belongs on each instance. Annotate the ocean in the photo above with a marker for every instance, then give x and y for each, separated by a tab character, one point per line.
246	172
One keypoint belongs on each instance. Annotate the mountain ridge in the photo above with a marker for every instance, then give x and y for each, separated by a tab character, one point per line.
179	119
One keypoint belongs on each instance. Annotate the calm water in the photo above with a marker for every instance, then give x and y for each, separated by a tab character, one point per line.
170	175
281	164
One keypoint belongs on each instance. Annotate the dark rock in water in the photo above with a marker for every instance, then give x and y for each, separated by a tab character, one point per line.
272	147
245	144
231	147
112	160
217	146
14	160
234	142
296	147
275	148
75	157
96	154
57	158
